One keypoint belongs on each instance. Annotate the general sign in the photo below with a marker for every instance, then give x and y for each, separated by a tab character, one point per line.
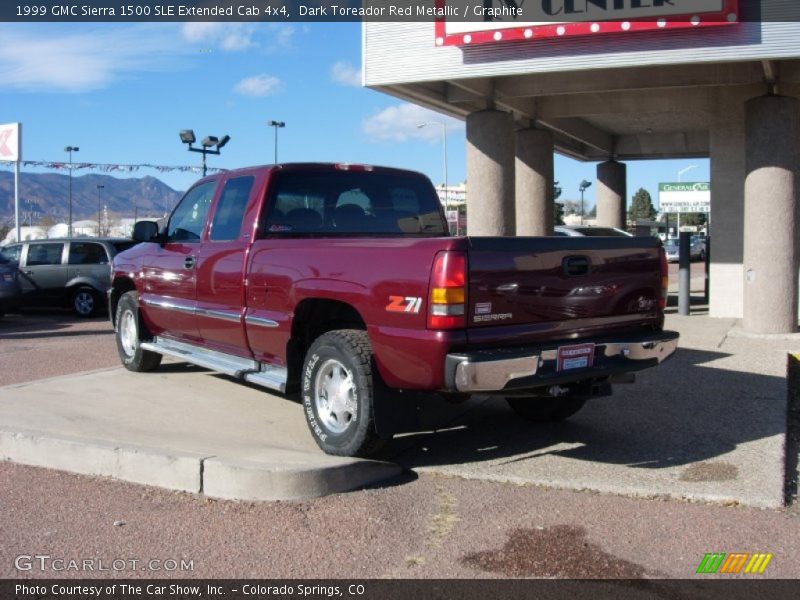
688	197
10	142
470	22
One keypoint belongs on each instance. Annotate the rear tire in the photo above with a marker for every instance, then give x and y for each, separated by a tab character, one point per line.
130	332
338	393
545	410
85	302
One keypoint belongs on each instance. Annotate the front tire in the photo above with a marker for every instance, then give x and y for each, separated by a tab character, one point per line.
130	334
85	302
339	393
545	410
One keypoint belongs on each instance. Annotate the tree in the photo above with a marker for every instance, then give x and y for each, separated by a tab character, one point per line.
641	206
558	214
556	191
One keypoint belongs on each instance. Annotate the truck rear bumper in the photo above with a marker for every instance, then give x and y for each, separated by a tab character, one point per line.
530	367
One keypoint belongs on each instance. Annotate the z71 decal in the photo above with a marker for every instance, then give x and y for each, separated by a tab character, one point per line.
404	304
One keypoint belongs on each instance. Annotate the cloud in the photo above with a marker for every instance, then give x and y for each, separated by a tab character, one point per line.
41	60
258	86
400	123
344	73
237	37
230	37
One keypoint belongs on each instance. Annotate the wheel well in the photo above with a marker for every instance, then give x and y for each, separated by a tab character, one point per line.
312	318
120	286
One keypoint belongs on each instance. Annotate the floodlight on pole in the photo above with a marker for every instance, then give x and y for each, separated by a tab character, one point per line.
70	150
277	125
444	168
187	137
582	188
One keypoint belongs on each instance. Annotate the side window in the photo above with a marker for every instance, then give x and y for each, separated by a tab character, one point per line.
44	254
187	222
230	209
13	252
83	253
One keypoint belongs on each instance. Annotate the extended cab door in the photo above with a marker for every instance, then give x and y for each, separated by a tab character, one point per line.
170	270
222	261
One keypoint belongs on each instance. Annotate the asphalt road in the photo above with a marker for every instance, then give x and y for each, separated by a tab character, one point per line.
428	526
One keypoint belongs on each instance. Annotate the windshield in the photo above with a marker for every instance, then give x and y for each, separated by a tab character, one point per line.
601	232
4	260
354	202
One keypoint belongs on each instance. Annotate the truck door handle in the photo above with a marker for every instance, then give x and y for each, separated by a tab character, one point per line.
507	288
188	262
28	272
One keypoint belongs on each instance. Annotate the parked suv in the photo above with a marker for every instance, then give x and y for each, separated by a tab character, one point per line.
9	285
66	272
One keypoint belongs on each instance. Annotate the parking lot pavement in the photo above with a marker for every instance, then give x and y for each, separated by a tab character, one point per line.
47	343
707	424
435	525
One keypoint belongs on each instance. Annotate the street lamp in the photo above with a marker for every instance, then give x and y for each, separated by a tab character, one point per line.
70	149
444	151
582	188
99	211
277	125
187	137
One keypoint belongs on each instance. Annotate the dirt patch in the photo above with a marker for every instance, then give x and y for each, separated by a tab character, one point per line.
710	471
559	551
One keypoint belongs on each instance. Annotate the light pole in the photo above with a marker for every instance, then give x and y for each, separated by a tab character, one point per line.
70	149
582	188
678	226
277	125
444	167
187	137
99	211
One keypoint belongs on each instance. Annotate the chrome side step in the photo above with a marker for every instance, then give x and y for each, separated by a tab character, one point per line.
246	369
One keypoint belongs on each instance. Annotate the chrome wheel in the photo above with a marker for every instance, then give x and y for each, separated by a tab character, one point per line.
83	302
335	396
128	333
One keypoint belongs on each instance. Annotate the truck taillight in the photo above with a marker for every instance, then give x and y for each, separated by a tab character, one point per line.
662	301
448	294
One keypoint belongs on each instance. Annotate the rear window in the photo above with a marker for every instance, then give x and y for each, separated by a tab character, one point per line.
354	202
4	260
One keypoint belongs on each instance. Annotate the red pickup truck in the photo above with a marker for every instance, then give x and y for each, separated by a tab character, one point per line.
341	281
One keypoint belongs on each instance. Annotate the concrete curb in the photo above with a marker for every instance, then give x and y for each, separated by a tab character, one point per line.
245	480
190	472
137	464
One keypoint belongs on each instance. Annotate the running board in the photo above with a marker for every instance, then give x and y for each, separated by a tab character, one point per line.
245	369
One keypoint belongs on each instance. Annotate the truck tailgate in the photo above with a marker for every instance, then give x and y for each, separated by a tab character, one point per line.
562	287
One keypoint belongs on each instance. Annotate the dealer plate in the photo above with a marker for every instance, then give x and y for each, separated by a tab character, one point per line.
578	356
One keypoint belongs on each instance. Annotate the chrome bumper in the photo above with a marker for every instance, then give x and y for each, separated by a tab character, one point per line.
532	367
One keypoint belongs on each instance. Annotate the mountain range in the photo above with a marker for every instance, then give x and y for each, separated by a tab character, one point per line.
44	195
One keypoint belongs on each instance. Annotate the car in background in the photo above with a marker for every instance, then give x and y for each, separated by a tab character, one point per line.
74	272
10	292
588	231
697	249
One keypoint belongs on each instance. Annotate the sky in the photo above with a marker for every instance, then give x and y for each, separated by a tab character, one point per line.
122	92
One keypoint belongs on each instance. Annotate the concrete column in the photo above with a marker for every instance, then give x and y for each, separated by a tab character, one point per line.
611	194
772	125
726	221
533	170
490	174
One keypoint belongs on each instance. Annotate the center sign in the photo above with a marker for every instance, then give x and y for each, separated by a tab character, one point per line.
471	22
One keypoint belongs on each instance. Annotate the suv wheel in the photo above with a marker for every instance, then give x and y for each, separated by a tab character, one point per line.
130	333
85	302
339	393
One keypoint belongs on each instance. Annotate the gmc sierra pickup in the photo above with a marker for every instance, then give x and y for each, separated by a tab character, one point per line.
340	281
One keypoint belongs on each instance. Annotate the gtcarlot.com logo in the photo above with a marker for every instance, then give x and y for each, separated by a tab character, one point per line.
733	564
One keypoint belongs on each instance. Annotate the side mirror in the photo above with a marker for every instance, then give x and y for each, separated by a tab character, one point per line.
145	231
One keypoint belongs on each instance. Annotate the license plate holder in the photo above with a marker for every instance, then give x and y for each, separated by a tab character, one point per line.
576	356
